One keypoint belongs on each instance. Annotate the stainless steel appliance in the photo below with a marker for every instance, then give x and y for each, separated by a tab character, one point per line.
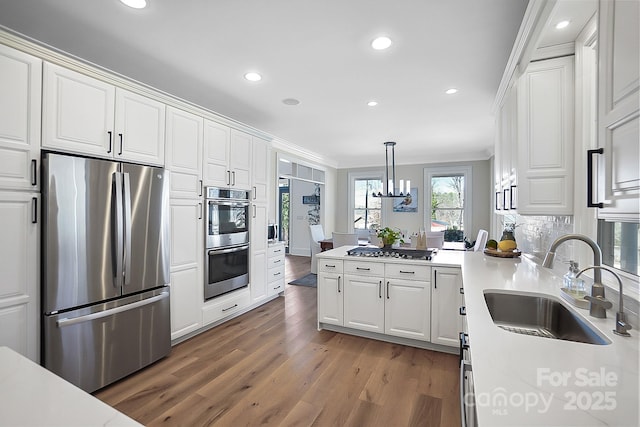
227	241
272	233
105	293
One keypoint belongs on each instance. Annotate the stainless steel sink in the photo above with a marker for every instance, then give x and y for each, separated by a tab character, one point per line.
540	316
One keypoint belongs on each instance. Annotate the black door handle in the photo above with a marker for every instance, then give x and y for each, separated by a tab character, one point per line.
590	202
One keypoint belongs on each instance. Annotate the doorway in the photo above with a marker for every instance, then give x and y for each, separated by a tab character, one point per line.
284	208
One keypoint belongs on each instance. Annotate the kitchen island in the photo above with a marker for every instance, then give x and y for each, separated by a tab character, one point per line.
32	396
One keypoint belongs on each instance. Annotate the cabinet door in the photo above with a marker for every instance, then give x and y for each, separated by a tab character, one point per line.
240	159
20	86
330	298
184	153
187	233
139	128
77	112
20	266
446	322
545	138
217	138
258	275
364	303
258	231
186	301
407	304
260	170
619	110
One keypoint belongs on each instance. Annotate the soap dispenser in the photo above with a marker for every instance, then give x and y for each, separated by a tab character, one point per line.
573	287
569	279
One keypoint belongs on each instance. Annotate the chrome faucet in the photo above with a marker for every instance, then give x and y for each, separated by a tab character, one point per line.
621	318
597	303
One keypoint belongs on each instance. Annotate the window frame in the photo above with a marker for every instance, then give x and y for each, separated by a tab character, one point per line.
467	173
353	176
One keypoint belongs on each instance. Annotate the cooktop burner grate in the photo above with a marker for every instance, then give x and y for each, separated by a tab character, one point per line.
424	254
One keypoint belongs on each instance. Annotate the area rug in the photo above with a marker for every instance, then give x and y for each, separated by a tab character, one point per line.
308	280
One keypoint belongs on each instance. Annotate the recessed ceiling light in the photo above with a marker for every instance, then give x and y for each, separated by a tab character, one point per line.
562	24
136	4
451	91
290	101
381	43
253	77
372	103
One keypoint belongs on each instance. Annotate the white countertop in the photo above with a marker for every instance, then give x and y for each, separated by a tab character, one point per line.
530	381
30	395
545	382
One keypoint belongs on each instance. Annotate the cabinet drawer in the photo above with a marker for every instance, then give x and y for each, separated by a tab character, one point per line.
275	287
227	305
274	274
274	262
364	268
275	251
330	265
408	272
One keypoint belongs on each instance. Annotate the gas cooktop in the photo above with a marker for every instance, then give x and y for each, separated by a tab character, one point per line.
405	253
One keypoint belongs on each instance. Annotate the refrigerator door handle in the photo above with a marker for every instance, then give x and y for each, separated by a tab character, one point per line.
116	188
101	314
127	228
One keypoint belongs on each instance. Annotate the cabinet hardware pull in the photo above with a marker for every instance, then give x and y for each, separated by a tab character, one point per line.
512	203
387	289
408	272
34	212
277	260
363	268
255	190
121	144
233	174
504	198
329	265
200	194
34	172
255	211
229	308
339	284
435	279
228	177
497	198
462	291
463	311
277	287
199	210
590	202
277	274
380	289
110	142
279	250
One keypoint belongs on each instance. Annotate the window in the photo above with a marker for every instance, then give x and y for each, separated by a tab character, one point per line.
619	244
448	202
367	212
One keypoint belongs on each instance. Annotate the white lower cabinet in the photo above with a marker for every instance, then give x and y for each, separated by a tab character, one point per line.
186	301
446	322
257	277
20	267
407	309
364	303
225	305
330	291
275	268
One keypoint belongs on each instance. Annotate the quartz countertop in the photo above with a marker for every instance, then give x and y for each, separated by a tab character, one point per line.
30	395
531	381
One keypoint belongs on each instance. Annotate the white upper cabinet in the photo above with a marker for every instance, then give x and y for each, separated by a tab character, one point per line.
618	180
545	145
261	154
20	89
227	156
185	132
87	116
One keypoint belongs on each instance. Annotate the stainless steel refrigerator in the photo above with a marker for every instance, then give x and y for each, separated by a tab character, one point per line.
105	293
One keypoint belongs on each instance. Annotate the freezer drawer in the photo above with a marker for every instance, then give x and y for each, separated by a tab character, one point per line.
97	345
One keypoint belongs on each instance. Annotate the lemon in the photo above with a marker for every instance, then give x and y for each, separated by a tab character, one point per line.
492	244
507	245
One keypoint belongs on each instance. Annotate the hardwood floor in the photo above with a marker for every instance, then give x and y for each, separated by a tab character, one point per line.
272	366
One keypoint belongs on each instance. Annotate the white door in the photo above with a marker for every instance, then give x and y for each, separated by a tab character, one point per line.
139	128
184	153
330	301
258	275
407	311
364	303
77	112
20	86
217	138
446	322
20	267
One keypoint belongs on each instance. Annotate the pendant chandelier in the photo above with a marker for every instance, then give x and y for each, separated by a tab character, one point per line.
390	178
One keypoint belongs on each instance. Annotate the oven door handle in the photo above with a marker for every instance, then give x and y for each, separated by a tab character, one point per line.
227	250
239	204
465	367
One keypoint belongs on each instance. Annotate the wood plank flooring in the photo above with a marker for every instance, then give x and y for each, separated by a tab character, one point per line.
272	366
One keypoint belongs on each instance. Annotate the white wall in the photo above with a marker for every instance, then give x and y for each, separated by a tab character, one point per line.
299	216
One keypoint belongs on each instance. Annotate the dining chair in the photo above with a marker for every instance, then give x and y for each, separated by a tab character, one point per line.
344	239
481	240
316	233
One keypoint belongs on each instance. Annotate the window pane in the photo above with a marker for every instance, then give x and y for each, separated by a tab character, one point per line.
360	195
443	219
447	191
619	244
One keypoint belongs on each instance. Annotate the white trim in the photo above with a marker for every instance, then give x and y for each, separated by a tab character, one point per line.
467	171
352	176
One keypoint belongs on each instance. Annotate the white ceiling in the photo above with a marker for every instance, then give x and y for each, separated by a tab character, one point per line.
315	51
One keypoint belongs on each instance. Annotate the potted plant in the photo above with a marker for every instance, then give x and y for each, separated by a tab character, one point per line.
389	236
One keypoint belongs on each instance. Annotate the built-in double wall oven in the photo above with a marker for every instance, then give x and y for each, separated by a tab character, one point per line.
227	241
